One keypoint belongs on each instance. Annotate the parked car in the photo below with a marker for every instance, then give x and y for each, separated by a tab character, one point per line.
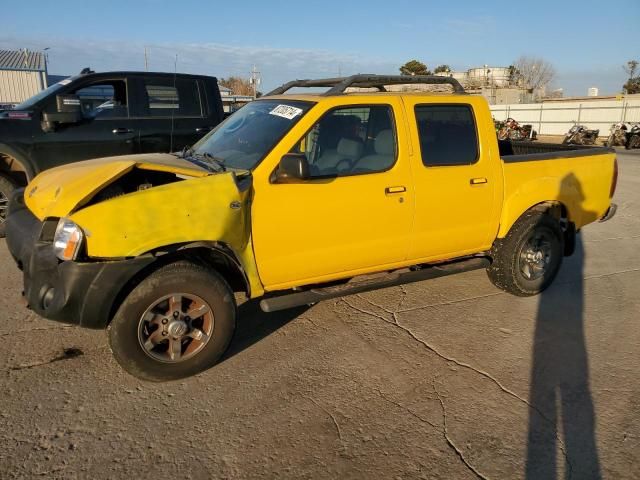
580	135
296	199
103	114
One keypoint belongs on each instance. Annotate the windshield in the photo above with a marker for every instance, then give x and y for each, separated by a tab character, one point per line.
30	102
247	136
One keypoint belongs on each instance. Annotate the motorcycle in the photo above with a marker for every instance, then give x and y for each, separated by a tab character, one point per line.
580	135
633	137
510	129
617	134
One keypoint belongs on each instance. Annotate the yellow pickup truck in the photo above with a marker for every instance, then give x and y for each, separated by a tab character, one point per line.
294	199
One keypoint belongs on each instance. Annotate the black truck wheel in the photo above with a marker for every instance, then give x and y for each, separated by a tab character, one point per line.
527	260
7	186
177	322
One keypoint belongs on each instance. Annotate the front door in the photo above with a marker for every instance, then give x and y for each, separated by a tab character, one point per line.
456	179
355	212
106	129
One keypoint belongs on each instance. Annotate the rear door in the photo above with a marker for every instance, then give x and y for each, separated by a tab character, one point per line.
169	113
106	129
456	178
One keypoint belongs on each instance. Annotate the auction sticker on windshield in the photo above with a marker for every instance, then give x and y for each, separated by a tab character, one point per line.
285	111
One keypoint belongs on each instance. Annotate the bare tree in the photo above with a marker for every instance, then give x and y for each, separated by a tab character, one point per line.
533	72
631	68
237	85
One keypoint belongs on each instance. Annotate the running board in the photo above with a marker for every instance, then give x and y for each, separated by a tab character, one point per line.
392	279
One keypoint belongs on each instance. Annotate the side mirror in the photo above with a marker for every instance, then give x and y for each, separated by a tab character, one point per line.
68	110
293	167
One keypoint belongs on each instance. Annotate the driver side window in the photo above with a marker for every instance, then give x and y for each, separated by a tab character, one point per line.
104	100
351	140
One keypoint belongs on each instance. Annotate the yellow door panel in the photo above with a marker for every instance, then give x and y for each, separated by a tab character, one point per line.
458	183
324	227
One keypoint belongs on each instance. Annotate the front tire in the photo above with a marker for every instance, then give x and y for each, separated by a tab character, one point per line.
611	141
176	323
527	260
7	186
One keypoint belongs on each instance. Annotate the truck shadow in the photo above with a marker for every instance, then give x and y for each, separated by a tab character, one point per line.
560	392
254	325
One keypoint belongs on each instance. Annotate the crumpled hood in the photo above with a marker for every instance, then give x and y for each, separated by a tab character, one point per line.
61	190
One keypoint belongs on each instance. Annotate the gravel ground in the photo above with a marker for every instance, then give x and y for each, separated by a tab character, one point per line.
442	379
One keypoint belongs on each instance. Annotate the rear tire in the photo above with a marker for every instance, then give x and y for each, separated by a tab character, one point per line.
527	260
160	314
7	186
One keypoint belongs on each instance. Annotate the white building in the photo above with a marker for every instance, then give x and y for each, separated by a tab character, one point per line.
592	92
23	73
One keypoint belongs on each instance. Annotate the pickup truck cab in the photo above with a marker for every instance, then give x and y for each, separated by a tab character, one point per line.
104	114
295	199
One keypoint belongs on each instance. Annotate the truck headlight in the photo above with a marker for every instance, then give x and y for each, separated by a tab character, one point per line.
67	239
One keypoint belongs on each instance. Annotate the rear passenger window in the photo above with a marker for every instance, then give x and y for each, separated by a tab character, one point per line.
166	97
447	135
351	140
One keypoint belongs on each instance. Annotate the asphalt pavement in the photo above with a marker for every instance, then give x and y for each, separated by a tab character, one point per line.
449	378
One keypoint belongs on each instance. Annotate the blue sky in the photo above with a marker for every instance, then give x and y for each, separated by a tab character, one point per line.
586	41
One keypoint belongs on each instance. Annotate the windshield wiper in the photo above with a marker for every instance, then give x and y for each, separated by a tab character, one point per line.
204	159
207	157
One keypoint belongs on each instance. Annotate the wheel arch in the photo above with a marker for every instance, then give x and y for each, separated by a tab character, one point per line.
15	165
213	255
559	211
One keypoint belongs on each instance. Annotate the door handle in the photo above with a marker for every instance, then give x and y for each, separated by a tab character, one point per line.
400	189
121	130
203	129
478	181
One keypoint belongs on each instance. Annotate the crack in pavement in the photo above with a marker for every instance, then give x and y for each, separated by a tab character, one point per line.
462	364
407	409
595	240
445	433
440	304
37	329
333	418
619	272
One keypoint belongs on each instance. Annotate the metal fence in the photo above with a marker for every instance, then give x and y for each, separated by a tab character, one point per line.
555	118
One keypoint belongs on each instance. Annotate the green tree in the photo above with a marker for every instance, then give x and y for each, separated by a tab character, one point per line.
632	85
442	68
414	67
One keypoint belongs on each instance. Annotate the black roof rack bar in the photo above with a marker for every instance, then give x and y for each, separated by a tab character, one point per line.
340	84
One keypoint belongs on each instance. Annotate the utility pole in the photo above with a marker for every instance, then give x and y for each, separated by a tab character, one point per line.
146	60
255	81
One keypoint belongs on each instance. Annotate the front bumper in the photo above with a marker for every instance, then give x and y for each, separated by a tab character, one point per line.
610	213
82	293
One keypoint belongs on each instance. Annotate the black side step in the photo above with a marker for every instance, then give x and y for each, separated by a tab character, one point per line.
314	295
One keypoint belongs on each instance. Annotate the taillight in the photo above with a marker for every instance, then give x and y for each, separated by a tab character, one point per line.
614	180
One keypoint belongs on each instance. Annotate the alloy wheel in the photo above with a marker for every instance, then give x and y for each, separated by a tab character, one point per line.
535	256
176	327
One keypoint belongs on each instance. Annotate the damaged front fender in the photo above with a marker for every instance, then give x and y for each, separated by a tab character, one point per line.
207	209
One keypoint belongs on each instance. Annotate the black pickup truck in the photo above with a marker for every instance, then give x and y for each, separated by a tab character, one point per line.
100	115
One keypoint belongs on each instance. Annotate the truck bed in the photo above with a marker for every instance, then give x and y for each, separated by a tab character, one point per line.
577	176
526	151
